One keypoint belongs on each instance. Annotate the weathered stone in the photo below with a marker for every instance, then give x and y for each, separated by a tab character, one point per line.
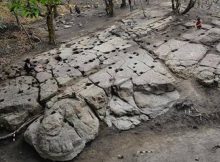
154	105
153	82
12	120
48	89
210	60
205	75
218	47
96	98
216	22
172	45
121	108
114	43
43	76
61	134
65	73
186	56
18	99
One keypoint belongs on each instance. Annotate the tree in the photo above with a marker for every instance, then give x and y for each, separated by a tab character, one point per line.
123	3
109	7
51	10
176	6
31	9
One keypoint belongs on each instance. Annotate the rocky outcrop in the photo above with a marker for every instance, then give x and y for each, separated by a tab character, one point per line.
18	101
61	134
117	76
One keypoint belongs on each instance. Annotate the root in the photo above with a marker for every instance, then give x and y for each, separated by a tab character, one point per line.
28	122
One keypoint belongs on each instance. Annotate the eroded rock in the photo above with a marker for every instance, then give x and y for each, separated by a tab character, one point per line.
61	134
18	101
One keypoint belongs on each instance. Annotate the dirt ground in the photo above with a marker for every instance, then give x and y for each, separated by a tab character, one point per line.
14	44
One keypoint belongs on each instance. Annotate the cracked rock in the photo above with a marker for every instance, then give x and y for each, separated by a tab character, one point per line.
61	134
18	101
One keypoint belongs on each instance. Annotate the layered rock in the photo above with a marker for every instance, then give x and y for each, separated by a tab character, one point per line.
18	101
61	134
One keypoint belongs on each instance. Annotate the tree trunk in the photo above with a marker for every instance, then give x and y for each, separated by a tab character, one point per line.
176	6
189	7
173	5
50	25
109	7
55	11
17	19
123	3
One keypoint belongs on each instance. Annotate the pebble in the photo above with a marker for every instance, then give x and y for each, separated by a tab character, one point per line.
120	157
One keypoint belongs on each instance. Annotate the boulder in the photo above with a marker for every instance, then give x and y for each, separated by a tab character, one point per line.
61	134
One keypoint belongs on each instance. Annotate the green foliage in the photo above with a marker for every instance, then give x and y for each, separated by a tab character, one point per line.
49	2
29	8
24	8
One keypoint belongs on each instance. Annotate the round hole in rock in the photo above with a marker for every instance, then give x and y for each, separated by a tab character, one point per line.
167	36
113	50
53	112
174	50
83	72
121	69
96	83
116	70
2	100
165	40
110	67
85	62
29	99
130	57
68	70
135	71
141	72
90	60
76	52
88	84
135	63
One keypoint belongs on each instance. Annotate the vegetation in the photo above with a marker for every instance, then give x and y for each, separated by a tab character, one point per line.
34	8
31	9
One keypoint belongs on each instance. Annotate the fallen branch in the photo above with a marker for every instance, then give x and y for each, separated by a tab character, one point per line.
28	122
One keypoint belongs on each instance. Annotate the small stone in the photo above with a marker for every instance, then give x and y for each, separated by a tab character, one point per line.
197	159
120	157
